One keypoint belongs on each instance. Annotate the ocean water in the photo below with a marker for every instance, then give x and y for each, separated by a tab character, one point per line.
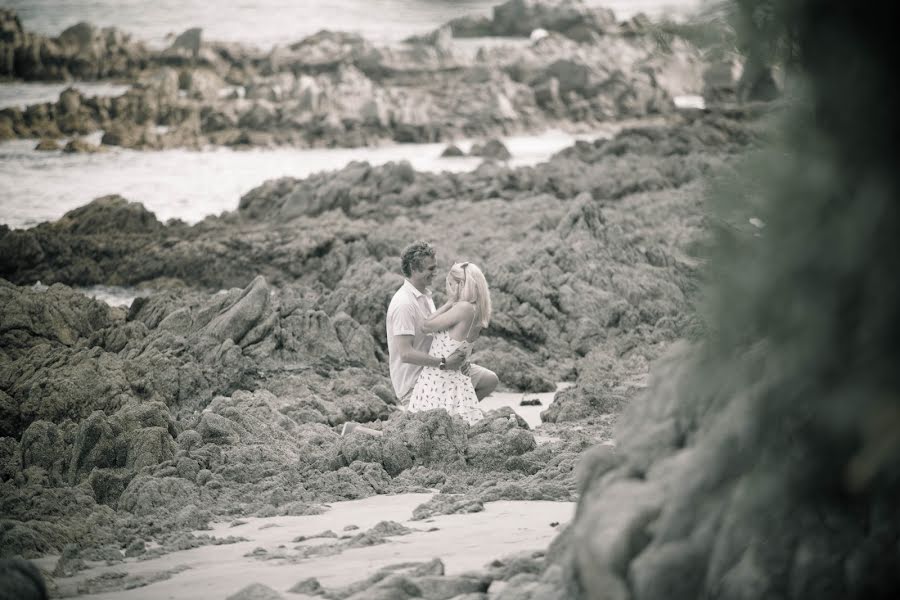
190	185
265	23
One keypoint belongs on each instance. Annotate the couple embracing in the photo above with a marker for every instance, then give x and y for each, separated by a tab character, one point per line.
429	347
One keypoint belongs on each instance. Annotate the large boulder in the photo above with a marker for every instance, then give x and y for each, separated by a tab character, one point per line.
146	495
311	334
242	316
109	483
325	50
63	383
500	436
109	215
205	85
148	447
57	315
98	444
79	37
82	51
430	439
514	368
491	149
185	47
356	340
44	445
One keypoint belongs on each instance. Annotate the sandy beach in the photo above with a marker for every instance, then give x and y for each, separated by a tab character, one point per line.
463	542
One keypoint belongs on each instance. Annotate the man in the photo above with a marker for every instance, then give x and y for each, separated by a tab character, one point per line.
408	345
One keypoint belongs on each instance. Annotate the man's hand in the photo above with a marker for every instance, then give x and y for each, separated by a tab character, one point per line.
455	360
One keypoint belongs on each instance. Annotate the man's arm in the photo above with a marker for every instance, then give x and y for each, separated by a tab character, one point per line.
408	354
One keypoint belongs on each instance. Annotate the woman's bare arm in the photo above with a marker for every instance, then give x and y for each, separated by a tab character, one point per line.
443	308
460	311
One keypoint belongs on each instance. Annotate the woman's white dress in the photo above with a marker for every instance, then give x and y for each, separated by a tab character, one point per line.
451	390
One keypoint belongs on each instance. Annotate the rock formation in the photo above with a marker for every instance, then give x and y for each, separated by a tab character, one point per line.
337	89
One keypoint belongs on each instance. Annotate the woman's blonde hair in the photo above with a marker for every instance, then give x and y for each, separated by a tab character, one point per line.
465	281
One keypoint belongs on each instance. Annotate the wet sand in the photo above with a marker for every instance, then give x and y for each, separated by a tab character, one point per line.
464	542
531	414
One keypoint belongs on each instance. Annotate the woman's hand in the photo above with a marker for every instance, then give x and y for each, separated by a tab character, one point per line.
456	360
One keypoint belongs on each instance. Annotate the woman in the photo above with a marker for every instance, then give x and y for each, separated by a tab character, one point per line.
455	325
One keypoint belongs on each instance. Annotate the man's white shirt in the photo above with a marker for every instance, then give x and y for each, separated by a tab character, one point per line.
408	309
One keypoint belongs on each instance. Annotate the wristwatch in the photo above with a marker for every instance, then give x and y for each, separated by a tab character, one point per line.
443	364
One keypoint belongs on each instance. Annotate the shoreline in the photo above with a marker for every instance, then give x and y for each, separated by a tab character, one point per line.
217	177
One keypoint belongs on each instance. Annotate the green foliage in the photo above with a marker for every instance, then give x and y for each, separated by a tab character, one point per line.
817	285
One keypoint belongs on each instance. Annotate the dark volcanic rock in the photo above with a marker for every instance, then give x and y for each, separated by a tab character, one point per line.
80	145
451	151
493	149
108	484
186	46
256	591
514	368
500	436
44	445
82	51
447	504
430	439
47	145
109	214
520	17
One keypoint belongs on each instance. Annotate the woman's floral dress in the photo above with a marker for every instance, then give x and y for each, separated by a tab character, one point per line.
451	390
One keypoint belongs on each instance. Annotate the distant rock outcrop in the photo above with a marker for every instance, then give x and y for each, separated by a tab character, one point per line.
338	89
82	51
518	18
492	149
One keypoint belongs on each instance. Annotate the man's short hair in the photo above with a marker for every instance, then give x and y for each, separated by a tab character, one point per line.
413	257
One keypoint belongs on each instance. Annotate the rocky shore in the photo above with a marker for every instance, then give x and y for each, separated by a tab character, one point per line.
335	89
222	392
593	252
725	313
